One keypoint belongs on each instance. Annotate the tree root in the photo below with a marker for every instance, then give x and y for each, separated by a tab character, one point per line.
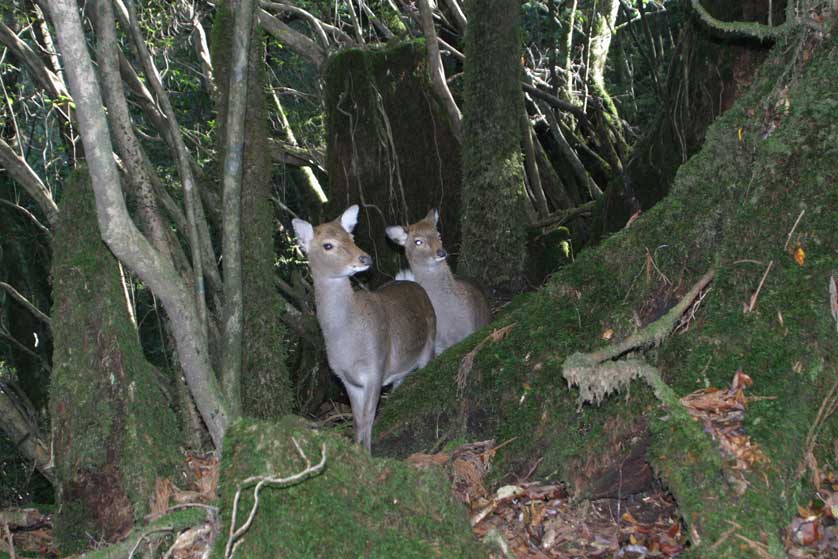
598	374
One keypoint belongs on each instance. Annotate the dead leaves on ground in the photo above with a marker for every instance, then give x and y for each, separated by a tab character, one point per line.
26	531
722	412
539	520
813	533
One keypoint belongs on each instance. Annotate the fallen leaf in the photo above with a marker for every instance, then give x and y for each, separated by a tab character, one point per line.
800	256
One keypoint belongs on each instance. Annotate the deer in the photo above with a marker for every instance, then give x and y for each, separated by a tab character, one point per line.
460	305
373	338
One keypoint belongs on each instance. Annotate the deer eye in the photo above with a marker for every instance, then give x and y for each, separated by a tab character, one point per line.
328	246
418	242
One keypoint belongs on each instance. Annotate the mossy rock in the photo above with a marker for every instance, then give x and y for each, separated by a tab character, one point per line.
357	507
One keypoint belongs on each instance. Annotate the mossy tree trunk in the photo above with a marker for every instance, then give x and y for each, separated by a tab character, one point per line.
265	381
494	217
113	432
705	76
390	148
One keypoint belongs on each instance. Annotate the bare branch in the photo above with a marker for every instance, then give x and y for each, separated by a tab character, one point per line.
22	173
437	73
199	38
457	13
45	77
184	163
293	39
36	312
29	216
22	429
129	148
233	324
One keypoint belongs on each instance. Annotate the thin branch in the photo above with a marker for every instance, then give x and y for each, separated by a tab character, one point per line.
29	215
458	14
36	312
22	173
292	39
45	77
753	302
183	162
437	73
320	27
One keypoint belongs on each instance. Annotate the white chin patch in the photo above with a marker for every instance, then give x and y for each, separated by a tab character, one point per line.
440	259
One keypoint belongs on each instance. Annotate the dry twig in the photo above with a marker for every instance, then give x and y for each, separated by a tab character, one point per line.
753	302
235	535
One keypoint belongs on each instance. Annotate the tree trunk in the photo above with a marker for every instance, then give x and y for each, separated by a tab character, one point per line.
266	390
390	148
112	430
494	197
705	76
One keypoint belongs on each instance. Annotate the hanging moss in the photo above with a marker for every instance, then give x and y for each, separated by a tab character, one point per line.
390	147
494	201
113	433
266	383
358	507
732	207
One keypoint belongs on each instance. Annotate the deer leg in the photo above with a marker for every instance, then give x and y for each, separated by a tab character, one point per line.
356	400
371	393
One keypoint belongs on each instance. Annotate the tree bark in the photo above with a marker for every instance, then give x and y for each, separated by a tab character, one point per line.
234	118
494	199
265	385
113	431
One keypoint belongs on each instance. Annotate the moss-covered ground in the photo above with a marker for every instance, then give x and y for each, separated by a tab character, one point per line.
358	507
732	207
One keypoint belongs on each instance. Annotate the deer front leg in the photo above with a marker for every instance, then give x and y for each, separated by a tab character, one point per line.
364	400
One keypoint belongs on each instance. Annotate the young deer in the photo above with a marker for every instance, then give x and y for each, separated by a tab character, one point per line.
373	338
461	307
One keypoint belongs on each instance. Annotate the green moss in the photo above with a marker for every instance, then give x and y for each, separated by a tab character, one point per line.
732	207
358	507
113	433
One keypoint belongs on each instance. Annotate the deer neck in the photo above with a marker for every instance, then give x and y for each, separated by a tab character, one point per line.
435	277
336	304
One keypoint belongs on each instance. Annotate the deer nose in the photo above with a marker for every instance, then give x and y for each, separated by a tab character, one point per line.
441	253
365	259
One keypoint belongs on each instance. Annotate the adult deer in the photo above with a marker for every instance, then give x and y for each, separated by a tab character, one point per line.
373	338
460	305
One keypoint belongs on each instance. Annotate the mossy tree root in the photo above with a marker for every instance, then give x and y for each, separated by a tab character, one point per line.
597	375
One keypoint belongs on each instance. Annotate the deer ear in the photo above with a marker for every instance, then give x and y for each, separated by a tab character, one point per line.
304	232
433	216
349	219
397	233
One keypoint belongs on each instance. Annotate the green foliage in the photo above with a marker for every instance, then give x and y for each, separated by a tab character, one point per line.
358	507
